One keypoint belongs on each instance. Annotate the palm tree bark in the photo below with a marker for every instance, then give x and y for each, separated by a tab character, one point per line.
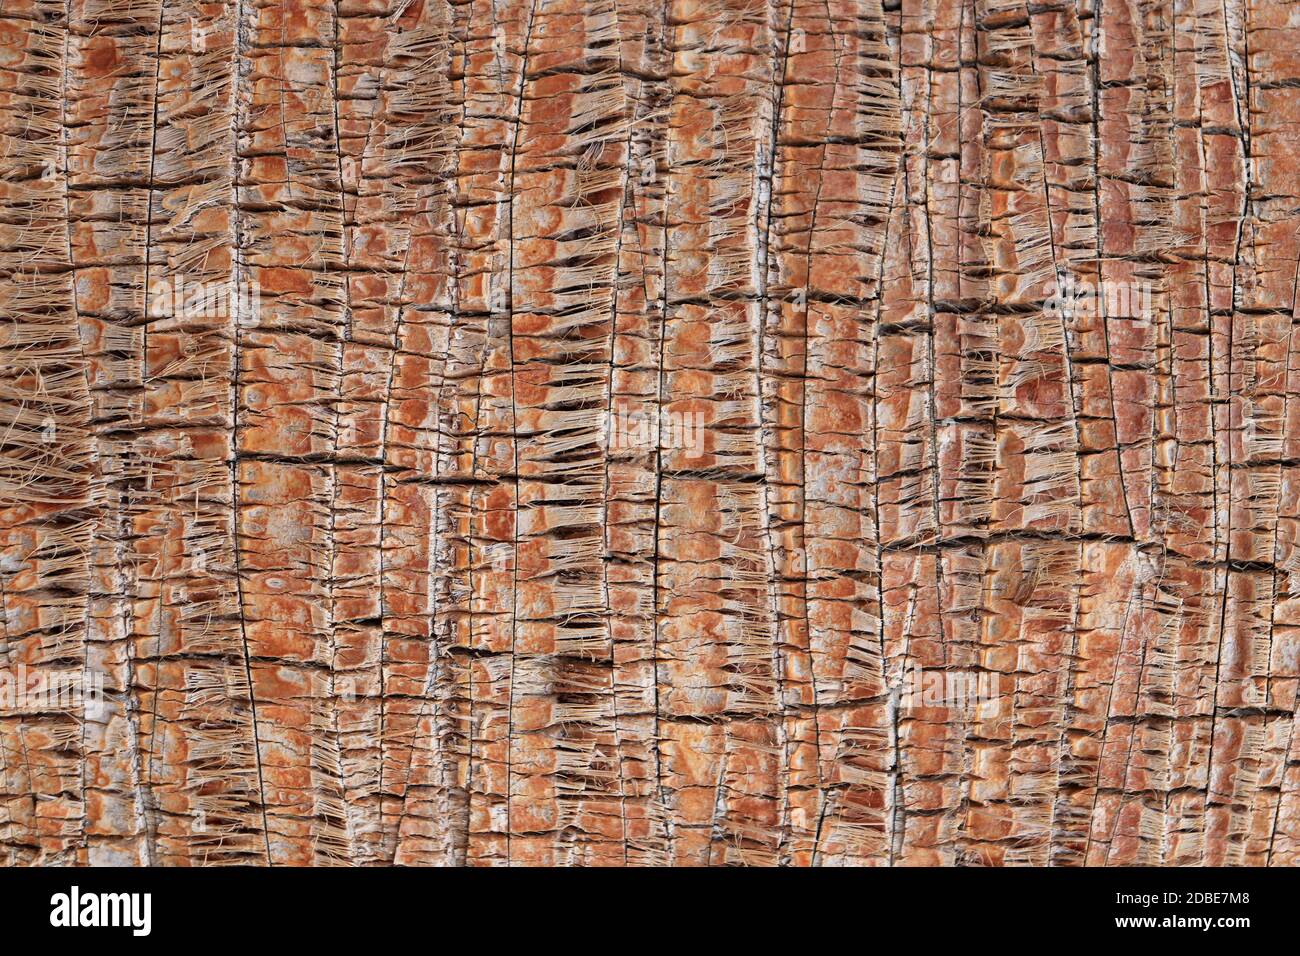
595	432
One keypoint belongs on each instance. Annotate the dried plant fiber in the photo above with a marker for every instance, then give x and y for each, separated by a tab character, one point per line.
649	432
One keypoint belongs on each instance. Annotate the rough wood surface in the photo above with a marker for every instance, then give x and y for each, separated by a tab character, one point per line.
586	431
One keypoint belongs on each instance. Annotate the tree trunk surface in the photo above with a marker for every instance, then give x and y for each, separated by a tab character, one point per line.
638	432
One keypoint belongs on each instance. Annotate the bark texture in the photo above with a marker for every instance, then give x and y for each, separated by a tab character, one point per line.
618	403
